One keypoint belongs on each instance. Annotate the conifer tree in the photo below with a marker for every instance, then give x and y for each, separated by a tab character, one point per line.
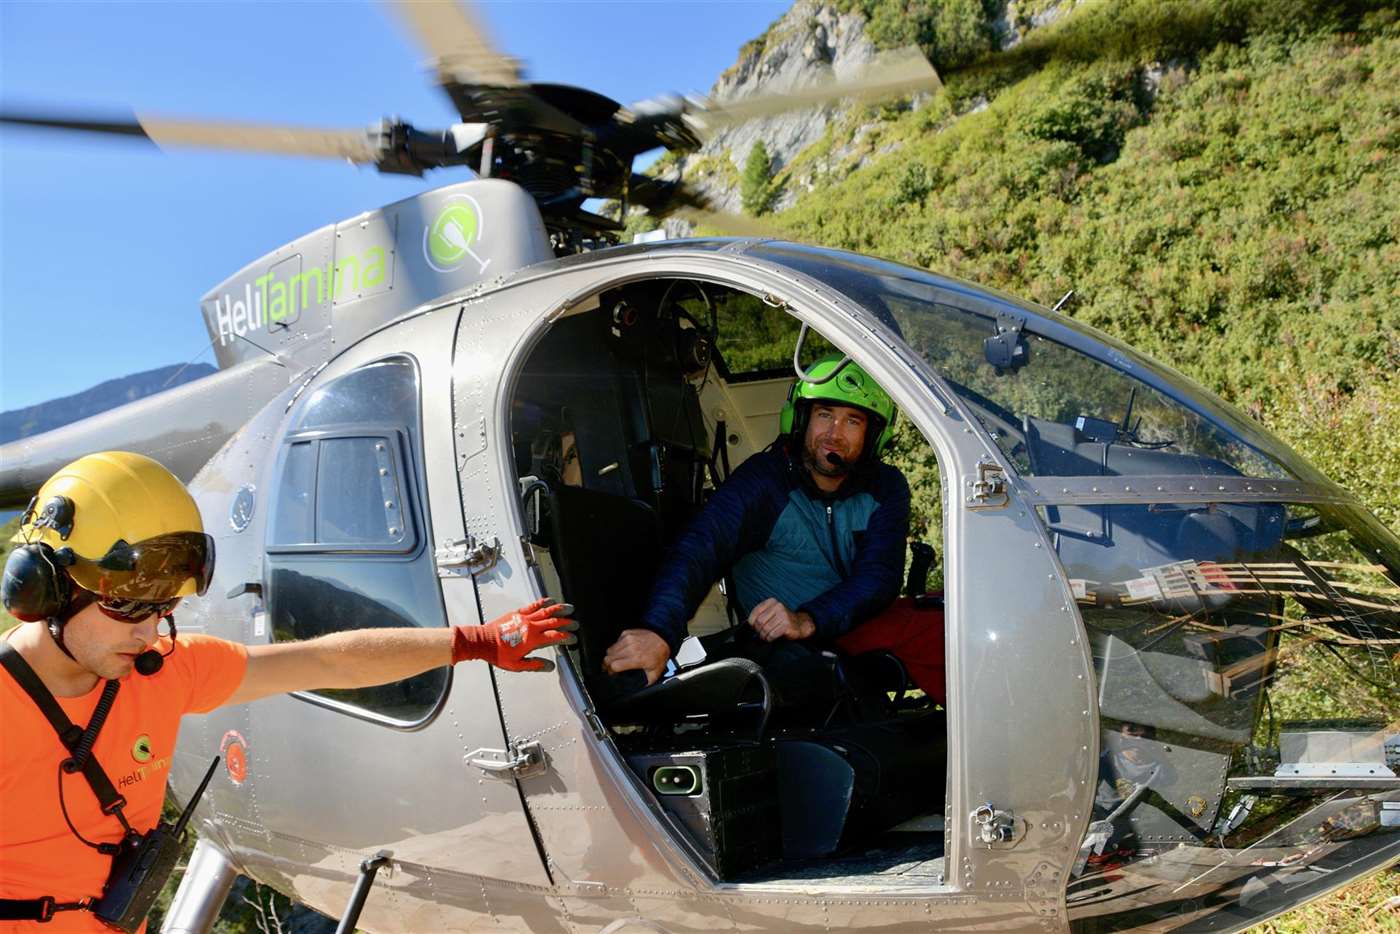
756	185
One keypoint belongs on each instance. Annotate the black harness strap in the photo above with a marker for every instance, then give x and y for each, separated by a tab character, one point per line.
38	909
77	741
68	732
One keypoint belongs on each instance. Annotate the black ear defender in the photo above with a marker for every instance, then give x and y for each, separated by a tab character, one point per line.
35	587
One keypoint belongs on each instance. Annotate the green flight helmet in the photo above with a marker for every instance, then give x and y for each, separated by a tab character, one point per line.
852	386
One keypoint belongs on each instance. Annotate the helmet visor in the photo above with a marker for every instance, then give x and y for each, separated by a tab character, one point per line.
152	571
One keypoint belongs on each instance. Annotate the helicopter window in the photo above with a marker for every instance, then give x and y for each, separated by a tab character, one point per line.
1246	674
362	503
1054	409
295	518
344	549
752	341
342	493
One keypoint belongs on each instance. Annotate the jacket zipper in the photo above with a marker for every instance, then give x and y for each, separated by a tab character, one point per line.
835	549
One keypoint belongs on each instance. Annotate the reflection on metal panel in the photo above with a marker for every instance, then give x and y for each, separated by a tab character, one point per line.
1246	656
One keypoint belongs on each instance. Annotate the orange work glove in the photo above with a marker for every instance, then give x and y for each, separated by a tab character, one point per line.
506	640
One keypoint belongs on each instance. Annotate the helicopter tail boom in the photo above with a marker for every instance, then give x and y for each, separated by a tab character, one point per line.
182	428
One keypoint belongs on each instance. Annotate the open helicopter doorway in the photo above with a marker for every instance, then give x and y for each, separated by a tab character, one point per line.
821	762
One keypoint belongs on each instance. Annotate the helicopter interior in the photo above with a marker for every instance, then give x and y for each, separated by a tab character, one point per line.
773	764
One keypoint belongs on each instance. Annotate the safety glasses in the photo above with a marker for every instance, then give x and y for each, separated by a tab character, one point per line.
154	572
134	611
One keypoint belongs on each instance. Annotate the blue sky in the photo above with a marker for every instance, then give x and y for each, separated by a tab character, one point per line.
106	246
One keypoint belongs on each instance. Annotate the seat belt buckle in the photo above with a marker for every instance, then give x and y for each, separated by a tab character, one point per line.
46	909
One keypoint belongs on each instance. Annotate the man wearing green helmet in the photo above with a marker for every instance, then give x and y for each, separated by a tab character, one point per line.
812	530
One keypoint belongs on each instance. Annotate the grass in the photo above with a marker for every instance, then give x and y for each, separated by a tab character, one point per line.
1361	908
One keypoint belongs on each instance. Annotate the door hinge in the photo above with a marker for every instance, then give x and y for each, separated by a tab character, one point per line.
993	825
468	554
988	490
520	761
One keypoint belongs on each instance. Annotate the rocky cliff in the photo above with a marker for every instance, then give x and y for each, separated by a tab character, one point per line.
815	42
811	44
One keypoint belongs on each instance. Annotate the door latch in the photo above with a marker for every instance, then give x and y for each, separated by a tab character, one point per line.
988	489
994	826
520	761
470	554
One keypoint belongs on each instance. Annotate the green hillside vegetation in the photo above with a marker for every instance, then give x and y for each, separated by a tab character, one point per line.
1219	182
1233	210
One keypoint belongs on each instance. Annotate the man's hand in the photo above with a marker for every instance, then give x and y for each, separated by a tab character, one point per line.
773	621
638	649
506	640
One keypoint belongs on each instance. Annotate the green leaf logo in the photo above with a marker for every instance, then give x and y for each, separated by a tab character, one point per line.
452	234
141	749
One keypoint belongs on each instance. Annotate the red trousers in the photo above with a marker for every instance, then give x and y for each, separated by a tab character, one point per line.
912	635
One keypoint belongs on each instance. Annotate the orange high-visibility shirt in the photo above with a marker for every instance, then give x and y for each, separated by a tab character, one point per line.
38	854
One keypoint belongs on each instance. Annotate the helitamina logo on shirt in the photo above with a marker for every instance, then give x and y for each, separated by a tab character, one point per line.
148	765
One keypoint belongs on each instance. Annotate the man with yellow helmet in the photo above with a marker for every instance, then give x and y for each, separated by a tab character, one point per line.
812	530
105	552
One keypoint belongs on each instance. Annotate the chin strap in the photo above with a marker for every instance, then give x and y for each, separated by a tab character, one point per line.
56	632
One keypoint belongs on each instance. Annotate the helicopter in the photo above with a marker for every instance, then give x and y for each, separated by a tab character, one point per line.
436	411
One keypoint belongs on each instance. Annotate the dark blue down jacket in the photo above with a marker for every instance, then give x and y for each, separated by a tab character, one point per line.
839	558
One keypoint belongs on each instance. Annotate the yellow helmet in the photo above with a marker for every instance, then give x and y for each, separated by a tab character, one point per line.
123	527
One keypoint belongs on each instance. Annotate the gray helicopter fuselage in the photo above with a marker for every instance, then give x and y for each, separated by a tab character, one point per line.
503	800
462	841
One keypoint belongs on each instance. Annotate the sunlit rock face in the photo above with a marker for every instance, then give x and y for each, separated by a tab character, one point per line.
811	44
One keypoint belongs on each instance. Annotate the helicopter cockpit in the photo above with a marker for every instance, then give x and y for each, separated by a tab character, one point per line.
1237	610
627	416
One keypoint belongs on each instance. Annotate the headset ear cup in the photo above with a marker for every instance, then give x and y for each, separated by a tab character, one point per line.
796	420
34	587
886	436
785	418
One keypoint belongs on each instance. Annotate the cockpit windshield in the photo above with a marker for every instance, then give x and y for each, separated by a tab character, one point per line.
1243	650
1058	398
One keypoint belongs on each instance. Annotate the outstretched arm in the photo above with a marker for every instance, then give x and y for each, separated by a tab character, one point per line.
364	657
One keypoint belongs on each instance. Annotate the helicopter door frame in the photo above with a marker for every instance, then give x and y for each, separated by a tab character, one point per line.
1017	801
334	738
987	763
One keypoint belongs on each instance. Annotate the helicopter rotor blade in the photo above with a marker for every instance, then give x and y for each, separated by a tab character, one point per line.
483	83
662	196
462	51
354	145
674	198
901	72
729	224
108	127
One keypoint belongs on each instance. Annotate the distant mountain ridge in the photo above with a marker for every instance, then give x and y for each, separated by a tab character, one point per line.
46	416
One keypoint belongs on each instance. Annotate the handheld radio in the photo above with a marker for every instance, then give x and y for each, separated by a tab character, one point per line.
141	867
